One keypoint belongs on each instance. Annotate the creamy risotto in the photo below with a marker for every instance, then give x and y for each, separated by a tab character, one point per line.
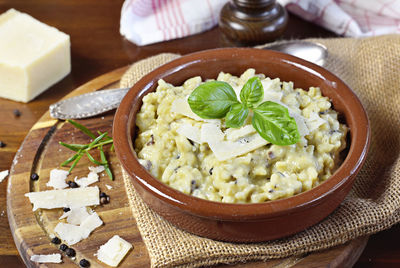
203	158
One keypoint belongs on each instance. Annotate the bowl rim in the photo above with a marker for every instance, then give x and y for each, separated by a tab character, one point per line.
360	140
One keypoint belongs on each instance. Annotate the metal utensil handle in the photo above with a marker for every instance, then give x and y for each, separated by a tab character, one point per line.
87	105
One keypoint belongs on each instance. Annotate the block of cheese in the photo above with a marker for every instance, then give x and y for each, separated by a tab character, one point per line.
33	56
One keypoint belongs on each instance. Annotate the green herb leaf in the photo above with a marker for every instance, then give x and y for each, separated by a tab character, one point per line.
94	161
82	149
82	128
212	99
273	122
69	160
79	156
236	116
96	140
252	92
73	147
106	167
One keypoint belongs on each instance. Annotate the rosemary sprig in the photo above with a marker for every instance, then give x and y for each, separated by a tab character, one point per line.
83	149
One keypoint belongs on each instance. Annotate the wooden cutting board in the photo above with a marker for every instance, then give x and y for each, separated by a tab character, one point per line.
40	153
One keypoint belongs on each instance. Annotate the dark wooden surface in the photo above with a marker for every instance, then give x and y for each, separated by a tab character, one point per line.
97	47
40	152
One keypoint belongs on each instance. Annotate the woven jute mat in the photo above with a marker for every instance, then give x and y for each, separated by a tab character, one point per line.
371	68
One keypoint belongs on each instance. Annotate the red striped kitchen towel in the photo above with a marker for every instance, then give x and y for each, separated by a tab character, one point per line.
353	18
145	22
150	21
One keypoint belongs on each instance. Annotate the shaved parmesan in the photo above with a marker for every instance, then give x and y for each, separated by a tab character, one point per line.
224	150
72	234
57	179
315	121
272	96
112	252
190	132
76	197
76	215
301	124
181	106
271	84
85	181
3	175
211	132
109	187
96	169
237	90
232	134
51	258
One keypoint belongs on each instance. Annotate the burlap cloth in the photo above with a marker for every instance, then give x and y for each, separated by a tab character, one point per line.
371	67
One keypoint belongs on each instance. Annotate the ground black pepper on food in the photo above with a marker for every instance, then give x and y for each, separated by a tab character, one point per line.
34	176
84	263
70	252
56	240
63	247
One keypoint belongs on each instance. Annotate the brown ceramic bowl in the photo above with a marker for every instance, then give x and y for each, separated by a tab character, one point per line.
244	222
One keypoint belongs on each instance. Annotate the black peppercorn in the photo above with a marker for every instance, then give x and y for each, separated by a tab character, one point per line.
63	247
104	200
70	252
2	144
34	176
66	209
56	240
17	113
84	263
72	184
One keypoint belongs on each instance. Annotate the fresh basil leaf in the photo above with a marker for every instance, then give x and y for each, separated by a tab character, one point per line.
212	99
273	122
252	92
236	116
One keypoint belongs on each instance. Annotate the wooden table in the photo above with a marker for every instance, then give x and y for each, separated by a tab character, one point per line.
97	48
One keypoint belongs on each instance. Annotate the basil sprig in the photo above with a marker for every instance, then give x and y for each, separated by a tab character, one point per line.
216	99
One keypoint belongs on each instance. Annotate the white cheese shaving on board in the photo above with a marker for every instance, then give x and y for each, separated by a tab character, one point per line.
190	132
112	252
224	150
76	197
3	175
76	215
86	181
109	187
51	258
96	169
57	179
72	234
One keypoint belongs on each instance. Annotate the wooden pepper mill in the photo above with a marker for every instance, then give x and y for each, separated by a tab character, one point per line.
253	21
